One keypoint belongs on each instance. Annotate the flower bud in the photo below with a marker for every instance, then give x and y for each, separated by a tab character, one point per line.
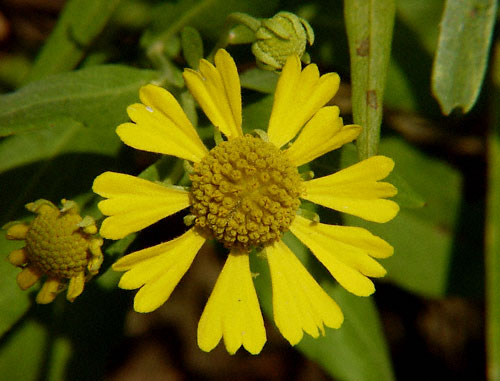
277	38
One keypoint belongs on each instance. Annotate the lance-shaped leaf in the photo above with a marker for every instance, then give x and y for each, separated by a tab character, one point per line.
79	25
462	54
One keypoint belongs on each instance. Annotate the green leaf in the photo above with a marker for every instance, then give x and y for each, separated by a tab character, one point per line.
207	16
94	97
64	130
192	46
78	26
256	115
462	55
259	80
356	351
14	69
64	341
414	42
26	342
369	26
424	238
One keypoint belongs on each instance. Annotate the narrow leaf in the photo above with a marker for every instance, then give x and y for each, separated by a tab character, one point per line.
192	46
462	55
369	26
94	97
79	25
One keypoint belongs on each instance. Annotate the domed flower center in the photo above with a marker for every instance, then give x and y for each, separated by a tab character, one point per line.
245	193
55	245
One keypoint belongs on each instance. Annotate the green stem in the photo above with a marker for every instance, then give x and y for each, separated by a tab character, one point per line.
233	19
161	40
369	25
164	66
492	239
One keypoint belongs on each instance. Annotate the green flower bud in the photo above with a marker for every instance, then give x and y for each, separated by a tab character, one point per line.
277	38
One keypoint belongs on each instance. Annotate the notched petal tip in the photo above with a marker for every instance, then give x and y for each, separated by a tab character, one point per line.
233	313
299	302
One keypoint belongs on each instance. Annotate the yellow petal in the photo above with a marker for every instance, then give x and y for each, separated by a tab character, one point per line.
217	90
75	288
161	126
28	277
233	311
134	203
345	251
18	257
158	269
189	241
323	133
299	303
17	231
355	190
229	73
299	95
49	291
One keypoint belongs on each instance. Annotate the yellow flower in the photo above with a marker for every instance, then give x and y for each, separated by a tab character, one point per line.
245	193
59	244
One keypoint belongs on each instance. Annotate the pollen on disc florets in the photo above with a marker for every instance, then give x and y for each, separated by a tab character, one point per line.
245	193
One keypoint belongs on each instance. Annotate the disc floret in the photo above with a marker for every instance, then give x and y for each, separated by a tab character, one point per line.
59	244
245	193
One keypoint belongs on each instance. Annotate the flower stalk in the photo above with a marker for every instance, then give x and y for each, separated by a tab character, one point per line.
369	30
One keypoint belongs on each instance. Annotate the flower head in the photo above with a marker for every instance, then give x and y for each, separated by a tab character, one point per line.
59	244
245	193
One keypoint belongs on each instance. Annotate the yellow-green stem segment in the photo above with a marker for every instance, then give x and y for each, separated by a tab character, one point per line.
492	232
369	26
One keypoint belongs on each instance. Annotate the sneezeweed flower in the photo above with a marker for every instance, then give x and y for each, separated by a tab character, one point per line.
245	193
60	245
